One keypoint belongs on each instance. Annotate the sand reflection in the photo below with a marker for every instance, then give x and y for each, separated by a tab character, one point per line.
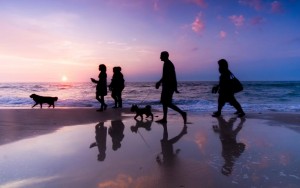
236	153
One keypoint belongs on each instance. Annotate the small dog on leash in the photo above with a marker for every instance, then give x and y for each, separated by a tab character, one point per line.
141	111
42	99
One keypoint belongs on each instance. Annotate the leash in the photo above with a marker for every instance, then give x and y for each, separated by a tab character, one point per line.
143	139
145	98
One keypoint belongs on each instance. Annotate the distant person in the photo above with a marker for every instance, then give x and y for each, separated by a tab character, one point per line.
101	133
116	131
225	90
101	88
231	149
169	86
168	153
116	86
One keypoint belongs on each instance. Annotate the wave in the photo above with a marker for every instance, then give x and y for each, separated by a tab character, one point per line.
193	96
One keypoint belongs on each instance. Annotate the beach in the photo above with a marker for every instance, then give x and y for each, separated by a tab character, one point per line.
56	148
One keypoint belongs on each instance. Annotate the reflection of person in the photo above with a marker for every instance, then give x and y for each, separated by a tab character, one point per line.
116	132
226	93
141	124
101	133
231	149
168	153
101	88
169	86
116	86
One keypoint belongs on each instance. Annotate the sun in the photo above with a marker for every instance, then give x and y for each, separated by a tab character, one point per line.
64	78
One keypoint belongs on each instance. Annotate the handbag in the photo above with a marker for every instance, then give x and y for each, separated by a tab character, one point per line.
236	84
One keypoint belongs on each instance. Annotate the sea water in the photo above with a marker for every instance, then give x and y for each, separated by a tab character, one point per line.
194	96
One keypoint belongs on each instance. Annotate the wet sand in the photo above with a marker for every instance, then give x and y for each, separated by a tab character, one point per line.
62	148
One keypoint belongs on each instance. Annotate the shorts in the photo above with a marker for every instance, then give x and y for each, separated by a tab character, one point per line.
166	96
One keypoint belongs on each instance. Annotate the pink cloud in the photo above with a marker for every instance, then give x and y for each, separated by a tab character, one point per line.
276	7
198	25
257	20
201	3
256	4
222	34
156	6
237	20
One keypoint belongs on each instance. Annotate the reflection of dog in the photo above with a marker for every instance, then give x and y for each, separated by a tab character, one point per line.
141	124
141	111
41	99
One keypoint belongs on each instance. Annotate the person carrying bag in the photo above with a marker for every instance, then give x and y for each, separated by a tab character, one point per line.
227	87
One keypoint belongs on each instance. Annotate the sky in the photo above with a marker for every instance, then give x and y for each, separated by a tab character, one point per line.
66	40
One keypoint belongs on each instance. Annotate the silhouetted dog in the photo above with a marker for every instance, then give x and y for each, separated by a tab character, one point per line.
41	99
141	111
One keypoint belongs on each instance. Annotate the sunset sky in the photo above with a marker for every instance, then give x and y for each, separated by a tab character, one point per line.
56	40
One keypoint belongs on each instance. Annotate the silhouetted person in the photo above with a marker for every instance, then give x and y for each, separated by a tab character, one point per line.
169	86
116	132
101	133
141	124
101	88
225	90
116	86
167	149
231	149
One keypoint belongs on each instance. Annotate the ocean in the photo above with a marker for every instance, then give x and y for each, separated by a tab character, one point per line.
194	96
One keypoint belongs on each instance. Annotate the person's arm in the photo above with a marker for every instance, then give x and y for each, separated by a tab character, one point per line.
215	89
173	78
158	83
94	81
176	90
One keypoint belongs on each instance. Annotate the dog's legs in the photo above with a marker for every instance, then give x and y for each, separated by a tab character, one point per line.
41	104
34	105
135	117
150	114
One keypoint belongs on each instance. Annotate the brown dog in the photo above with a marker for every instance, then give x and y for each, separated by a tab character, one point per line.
42	99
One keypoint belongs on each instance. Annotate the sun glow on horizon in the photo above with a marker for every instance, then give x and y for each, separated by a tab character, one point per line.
64	78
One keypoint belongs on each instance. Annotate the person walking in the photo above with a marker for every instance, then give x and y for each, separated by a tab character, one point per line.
116	87
101	88
225	90
169	86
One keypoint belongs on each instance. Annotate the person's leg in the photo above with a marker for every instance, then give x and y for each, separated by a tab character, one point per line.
113	95
119	96
99	100
237	106
164	101
103	105
165	113
221	103
177	109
